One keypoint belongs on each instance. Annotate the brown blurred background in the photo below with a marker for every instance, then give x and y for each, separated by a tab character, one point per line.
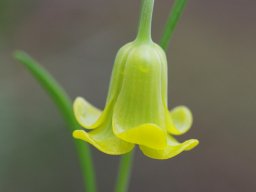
212	66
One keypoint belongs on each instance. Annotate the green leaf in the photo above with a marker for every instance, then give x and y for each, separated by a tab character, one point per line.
174	16
64	105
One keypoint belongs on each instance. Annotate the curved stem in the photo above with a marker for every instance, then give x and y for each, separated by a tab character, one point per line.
144	31
124	174
173	18
64	105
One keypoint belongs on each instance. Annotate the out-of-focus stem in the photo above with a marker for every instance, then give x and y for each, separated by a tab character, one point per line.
64	105
174	16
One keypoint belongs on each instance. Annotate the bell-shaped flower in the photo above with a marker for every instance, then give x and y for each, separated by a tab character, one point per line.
136	110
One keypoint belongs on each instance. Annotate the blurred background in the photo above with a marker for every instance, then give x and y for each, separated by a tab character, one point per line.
212	65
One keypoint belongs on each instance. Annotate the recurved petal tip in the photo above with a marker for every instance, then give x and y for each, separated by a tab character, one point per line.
86	114
104	141
182	119
173	148
191	144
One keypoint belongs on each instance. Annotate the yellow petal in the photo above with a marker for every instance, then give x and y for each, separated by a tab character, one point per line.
181	120
145	134
104	140
173	148
87	115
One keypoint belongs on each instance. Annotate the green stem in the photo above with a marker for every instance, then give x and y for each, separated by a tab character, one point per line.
124	174
174	16
64	105
144	31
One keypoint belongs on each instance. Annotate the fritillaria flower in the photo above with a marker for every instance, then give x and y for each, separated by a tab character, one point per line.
136	110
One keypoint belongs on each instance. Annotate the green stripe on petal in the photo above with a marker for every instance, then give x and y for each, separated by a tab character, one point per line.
173	148
118	72
104	140
181	120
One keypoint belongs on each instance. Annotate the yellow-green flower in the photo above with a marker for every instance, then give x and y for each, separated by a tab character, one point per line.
136	110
